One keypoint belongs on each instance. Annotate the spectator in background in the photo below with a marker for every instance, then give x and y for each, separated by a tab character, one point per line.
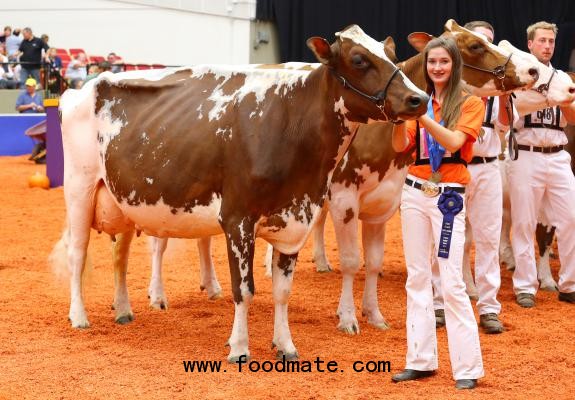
96	70
116	63
77	68
12	42
29	101
30	53
7	80
45	38
55	79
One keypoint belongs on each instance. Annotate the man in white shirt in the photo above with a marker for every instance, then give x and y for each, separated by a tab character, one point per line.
542	175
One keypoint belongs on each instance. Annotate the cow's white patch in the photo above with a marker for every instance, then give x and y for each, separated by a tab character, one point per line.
358	36
161	220
149	181
145	138
108	126
199	110
224	133
344	161
257	82
299	219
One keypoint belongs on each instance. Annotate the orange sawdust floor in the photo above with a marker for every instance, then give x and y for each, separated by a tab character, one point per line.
42	357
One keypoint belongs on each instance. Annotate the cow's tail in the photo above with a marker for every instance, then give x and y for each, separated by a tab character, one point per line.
58	260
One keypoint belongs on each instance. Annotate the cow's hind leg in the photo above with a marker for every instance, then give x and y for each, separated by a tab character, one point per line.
240	240
373	237
158	299
282	277
208	279
121	250
80	211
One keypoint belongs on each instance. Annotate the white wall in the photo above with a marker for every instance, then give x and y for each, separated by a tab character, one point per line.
174	32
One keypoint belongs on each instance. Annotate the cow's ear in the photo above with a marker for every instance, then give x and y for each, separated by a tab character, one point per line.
451	26
389	48
321	49
418	40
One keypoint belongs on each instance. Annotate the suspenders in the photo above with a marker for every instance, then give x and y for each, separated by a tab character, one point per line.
555	125
454	159
487	123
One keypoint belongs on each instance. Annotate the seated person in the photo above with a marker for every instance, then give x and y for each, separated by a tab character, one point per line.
7	77
30	101
77	68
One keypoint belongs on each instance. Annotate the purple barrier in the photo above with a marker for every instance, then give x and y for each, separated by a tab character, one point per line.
13	141
54	151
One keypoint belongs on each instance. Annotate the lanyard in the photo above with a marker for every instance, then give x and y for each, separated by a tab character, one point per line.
435	150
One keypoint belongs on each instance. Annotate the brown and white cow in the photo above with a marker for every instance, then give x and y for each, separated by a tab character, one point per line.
367	183
245	151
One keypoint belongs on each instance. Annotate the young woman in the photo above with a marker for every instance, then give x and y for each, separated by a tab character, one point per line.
433	217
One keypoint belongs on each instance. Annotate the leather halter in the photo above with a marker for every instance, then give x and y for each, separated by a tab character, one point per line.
380	97
498	72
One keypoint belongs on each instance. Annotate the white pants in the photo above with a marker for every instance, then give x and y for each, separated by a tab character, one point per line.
421	222
536	179
484	213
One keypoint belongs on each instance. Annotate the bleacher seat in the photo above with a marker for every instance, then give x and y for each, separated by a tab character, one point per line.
129	67
158	66
96	59
74	52
143	66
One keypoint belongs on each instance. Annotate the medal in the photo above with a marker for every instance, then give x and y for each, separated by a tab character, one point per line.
435	177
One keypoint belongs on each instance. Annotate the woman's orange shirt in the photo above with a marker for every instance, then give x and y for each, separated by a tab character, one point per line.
469	122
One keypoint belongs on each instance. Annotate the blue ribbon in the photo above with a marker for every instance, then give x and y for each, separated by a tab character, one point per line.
450	203
436	151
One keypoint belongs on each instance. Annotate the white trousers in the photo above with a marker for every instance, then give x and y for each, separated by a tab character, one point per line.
421	222
536	179
484	213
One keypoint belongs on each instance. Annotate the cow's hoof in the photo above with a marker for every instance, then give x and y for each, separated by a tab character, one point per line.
125	319
323	267
382	325
236	359
159	305
80	324
288	356
349	328
216	296
550	286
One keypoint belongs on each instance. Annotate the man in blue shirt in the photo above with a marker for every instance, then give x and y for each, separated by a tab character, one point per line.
30	101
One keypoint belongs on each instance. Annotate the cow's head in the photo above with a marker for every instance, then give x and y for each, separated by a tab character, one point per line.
489	70
552	87
370	84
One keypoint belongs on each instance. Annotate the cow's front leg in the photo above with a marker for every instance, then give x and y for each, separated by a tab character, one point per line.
240	240
282	277
208	279
544	235
156	293
373	237
319	258
345	222
470	287
121	250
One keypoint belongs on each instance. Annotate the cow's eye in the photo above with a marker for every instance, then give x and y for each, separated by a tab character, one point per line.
475	47
358	61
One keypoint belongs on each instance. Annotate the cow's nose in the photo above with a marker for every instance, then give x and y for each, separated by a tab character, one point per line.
414	101
534	72
572	90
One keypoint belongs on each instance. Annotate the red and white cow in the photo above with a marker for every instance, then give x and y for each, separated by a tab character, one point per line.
367	184
248	151
551	89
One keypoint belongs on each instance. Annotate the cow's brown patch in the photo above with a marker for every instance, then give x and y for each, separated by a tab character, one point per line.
348	215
